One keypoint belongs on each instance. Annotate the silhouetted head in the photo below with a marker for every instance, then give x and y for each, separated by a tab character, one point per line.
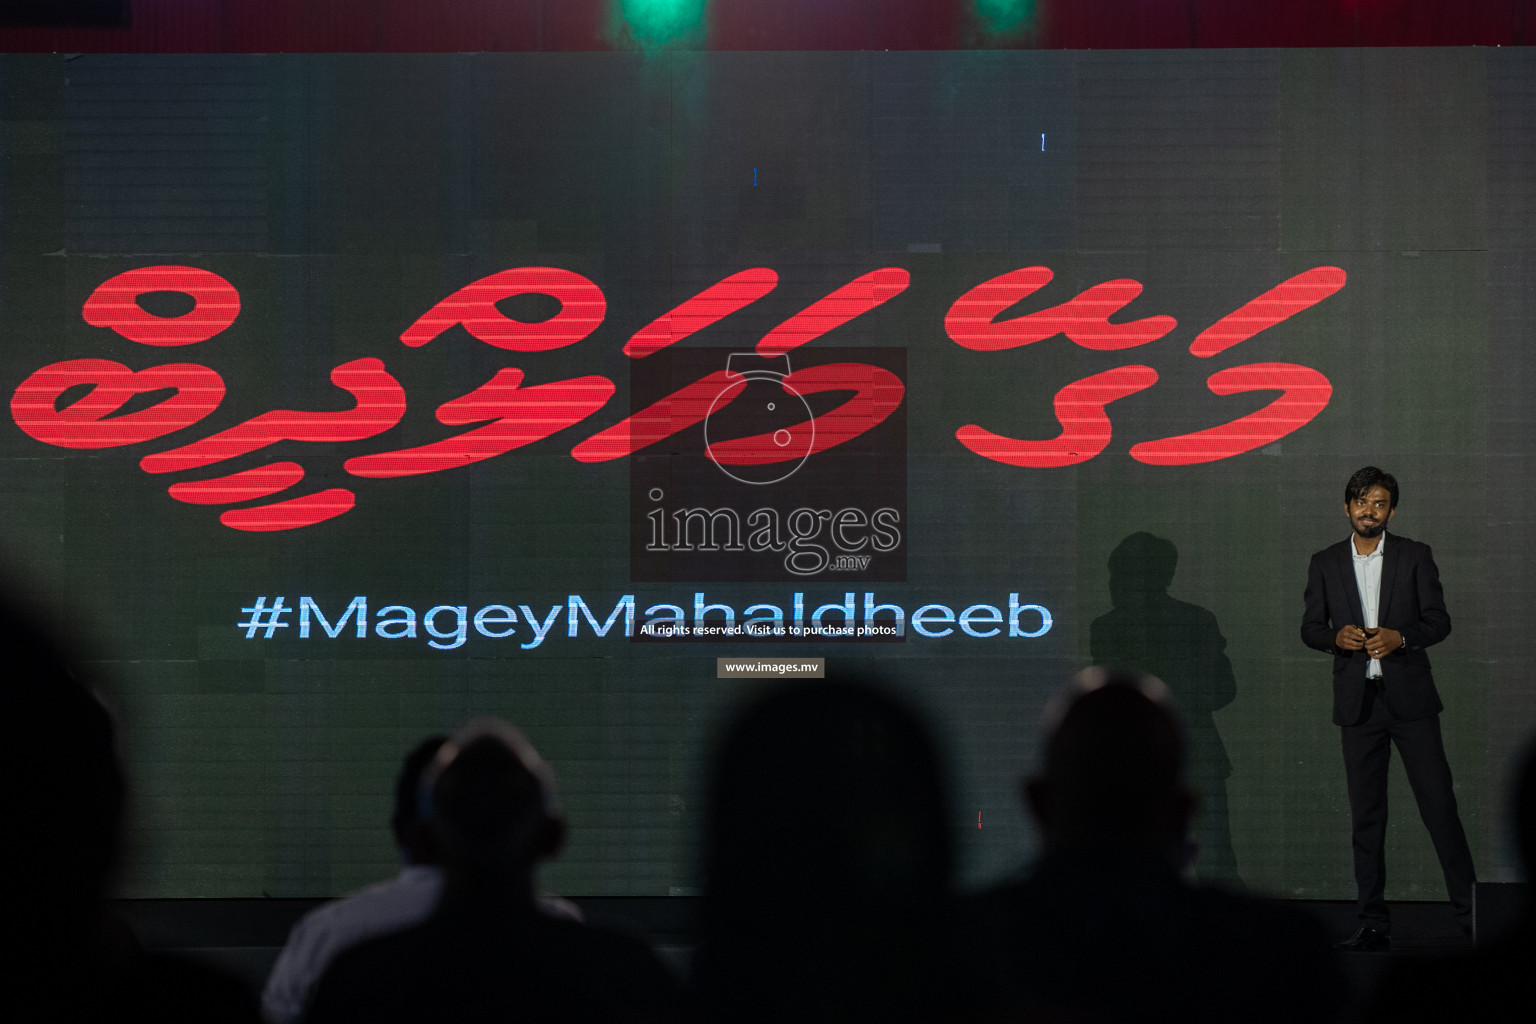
490	802
1141	564
827	860
827	791
412	836
65	792
1114	765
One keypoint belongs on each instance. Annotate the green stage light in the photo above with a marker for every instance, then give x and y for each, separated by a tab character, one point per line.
659	22
1005	15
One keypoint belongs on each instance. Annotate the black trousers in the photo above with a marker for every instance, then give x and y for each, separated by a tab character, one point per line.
1367	753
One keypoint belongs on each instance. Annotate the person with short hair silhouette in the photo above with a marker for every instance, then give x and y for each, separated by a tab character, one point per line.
487	953
67	957
827	861
1104	928
388	906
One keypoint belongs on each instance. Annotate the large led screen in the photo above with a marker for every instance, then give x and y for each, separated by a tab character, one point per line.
349	398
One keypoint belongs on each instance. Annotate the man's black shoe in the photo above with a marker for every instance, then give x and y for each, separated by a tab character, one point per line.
1367	940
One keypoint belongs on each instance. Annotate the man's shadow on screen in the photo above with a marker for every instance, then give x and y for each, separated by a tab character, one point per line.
1182	645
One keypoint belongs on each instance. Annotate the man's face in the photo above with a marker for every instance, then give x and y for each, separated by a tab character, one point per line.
1370	512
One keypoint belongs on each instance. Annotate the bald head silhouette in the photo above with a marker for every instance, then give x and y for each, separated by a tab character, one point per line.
490	803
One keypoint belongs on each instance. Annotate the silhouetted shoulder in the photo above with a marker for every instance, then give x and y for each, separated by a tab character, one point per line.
176	990
535	969
138	987
1111	940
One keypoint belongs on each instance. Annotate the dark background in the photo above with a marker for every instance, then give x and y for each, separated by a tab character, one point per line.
271	26
343	196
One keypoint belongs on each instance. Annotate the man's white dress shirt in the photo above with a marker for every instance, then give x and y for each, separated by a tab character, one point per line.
1368	579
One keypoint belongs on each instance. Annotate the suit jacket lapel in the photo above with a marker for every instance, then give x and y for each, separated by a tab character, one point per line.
1389	560
1344	565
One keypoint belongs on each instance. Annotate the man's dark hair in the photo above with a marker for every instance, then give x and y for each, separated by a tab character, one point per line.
1365	479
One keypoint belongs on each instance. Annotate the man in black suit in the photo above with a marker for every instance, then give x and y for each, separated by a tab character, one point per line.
1374	602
